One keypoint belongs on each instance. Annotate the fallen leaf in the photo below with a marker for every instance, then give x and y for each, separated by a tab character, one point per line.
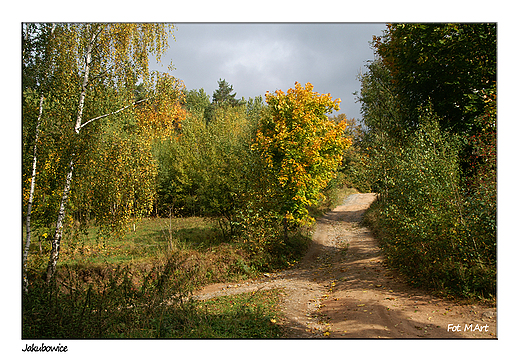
360	305
273	320
326	334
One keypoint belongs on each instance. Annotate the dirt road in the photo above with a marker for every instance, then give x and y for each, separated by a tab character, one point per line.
341	289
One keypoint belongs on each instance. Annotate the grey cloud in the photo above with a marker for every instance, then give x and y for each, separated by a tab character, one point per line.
256	58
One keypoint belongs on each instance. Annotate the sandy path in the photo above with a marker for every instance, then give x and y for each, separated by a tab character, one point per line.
341	289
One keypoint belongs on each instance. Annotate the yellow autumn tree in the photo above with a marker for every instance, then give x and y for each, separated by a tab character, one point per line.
300	147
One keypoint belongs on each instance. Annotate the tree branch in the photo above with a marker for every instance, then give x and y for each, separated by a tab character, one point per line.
110	114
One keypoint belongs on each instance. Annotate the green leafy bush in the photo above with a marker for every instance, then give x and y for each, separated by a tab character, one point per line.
429	110
428	233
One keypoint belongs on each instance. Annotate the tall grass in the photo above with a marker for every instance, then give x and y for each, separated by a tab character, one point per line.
154	306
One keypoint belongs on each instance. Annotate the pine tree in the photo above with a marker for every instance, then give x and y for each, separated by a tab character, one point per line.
223	94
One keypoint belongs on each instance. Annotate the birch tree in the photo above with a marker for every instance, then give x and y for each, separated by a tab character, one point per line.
116	178
35	62
89	59
31	195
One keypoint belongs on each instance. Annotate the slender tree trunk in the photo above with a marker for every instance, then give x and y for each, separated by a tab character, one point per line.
285	229
56	241
170	240
31	195
55	247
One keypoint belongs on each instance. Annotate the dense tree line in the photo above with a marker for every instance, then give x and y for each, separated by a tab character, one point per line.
251	164
429	112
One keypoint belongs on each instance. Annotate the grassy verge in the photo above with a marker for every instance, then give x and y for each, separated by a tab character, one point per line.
248	315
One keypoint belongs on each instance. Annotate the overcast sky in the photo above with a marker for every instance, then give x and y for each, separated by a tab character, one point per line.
255	58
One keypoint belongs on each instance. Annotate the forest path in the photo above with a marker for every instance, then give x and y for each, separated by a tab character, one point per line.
341	289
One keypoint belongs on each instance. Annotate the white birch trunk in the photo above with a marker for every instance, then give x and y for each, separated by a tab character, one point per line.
55	247
31	193
29	204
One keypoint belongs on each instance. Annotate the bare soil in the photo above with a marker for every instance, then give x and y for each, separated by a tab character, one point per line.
342	289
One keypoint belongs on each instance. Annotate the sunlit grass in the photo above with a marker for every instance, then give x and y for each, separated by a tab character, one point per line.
143	240
247	315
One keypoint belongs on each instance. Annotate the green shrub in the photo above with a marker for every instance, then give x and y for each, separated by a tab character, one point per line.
430	232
